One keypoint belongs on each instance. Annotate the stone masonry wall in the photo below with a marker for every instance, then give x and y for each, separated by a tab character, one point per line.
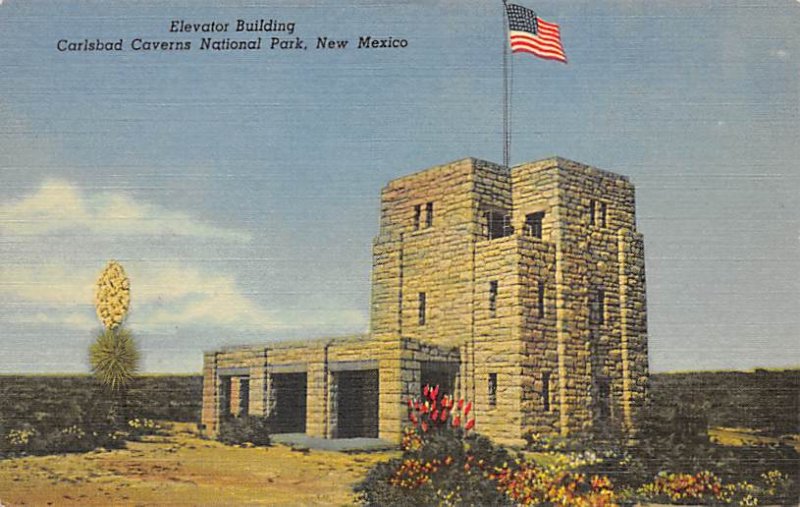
397	362
587	263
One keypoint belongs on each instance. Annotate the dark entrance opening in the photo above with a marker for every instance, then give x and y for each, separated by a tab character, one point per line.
357	404
438	374
288	413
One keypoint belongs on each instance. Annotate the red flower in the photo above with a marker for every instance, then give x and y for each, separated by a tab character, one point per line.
424	426
425	390
469	424
435	392
434	415
461	403
468	408
413	418
456	422
443	417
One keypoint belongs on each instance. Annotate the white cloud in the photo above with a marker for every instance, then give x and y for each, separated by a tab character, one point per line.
781	54
161	296
59	205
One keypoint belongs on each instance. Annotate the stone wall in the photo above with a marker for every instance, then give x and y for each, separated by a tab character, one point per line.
590	209
397	362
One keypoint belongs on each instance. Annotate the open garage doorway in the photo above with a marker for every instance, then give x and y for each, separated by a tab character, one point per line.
356	404
288	397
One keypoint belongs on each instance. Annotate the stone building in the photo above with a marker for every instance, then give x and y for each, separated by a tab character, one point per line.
521	289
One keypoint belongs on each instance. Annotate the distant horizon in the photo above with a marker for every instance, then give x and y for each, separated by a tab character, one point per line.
200	373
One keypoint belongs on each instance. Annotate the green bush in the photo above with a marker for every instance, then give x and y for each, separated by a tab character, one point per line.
245	429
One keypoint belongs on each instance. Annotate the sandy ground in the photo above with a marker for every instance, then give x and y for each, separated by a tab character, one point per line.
182	469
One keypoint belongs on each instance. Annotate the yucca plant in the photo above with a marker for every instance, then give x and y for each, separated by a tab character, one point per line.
114	358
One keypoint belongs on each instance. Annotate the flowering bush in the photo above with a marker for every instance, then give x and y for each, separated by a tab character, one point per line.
706	488
20	438
138	428
445	463
528	484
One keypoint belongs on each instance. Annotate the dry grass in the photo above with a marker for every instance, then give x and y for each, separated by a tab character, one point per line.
745	436
182	469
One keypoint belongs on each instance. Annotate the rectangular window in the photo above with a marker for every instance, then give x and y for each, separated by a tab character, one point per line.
540	301
533	224
493	389
597	307
429	215
603	209
592	206
498	224
417	216
546	390
422	309
493	298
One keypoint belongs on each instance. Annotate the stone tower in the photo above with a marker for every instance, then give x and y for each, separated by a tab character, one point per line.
536	275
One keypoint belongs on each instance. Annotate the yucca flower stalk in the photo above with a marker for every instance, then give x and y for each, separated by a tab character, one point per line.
114	357
112	296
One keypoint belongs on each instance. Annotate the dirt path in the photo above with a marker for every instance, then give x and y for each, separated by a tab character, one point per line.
182	469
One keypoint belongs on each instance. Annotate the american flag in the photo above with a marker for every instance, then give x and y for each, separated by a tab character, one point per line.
531	34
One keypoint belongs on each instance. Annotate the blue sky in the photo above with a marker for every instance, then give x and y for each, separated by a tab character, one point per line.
241	190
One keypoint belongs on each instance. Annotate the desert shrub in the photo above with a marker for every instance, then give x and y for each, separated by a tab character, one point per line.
672	458
245	429
763	400
138	428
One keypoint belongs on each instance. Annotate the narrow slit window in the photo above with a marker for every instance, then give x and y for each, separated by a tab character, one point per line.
597	307
603	210
546	390
592	206
540	300
429	214
493	298
422	308
493	389
417	216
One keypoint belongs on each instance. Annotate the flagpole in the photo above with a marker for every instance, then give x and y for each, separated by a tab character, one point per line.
506	92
